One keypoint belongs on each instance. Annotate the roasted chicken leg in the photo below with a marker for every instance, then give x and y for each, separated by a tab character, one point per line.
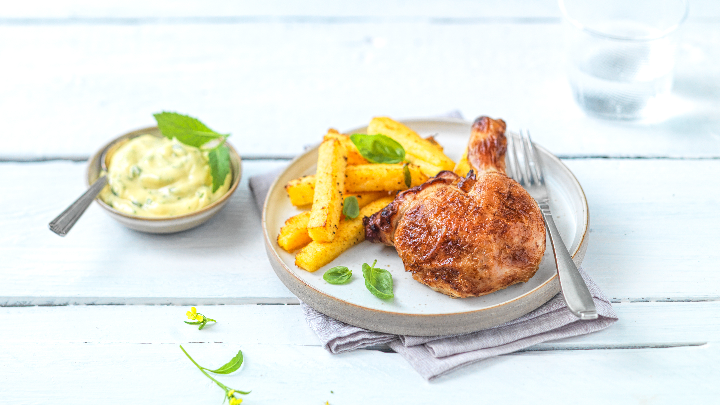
466	237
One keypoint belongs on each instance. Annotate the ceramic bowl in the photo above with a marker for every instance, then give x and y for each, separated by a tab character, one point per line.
165	224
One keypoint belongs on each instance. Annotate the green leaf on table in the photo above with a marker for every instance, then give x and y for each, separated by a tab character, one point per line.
193	323
230	366
338	275
229	392
378	281
219	159
378	148
351	208
186	129
407	175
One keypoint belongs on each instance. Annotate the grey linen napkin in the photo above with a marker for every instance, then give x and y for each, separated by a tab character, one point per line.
433	356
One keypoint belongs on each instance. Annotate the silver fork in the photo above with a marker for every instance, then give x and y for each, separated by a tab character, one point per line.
525	168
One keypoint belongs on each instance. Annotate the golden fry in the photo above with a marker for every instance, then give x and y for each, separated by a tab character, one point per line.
354	156
329	186
294	234
381	177
422	152
463	166
350	233
359	180
301	191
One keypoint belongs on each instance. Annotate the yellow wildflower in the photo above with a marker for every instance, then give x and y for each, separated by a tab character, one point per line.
230	393
235	401
192	314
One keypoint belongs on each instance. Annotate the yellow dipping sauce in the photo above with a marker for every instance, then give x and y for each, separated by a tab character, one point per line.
154	176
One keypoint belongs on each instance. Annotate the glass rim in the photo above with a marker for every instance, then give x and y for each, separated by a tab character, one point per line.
664	33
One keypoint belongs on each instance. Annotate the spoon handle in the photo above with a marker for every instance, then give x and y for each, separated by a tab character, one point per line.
65	221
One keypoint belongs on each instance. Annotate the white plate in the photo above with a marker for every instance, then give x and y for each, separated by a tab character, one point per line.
416	309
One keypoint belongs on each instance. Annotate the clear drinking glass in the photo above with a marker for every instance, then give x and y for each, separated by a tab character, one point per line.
621	53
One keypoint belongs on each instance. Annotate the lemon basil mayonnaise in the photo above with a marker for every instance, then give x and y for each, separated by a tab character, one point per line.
154	176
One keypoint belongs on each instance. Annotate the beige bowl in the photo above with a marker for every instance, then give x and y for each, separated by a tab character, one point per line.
167	224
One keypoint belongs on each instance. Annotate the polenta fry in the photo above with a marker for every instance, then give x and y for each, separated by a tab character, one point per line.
359	179
294	234
422	152
354	156
350	233
463	166
301	190
329	186
378	177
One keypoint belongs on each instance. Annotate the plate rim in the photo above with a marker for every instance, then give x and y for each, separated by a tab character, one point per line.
283	271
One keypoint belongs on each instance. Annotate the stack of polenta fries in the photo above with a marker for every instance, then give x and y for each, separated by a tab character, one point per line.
322	233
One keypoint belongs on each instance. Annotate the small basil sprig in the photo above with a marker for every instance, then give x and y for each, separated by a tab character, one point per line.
406	174
378	281
378	148
219	160
338	275
186	129
190	131
351	208
228	368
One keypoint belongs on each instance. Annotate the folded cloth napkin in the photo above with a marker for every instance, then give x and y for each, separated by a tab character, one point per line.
433	356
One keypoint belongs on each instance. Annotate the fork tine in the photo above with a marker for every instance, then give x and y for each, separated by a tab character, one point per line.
511	160
534	159
517	159
524	166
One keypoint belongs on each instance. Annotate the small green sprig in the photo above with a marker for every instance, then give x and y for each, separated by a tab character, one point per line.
382	149
228	368
351	207
407	175
197	318
190	131
378	148
338	275
378	281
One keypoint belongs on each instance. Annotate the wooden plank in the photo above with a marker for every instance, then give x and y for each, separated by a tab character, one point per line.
152	373
652	238
651	229
185	8
275	85
103	262
653	324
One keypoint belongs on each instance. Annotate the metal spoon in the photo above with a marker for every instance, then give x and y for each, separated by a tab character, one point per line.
62	224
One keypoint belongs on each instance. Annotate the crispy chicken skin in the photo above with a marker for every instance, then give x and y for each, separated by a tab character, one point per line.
466	237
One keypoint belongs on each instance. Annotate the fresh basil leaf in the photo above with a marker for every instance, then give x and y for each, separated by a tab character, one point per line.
378	281
351	208
406	173
219	159
186	129
338	275
230	366
378	148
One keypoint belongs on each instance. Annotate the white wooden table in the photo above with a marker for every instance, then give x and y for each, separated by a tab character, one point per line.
97	316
